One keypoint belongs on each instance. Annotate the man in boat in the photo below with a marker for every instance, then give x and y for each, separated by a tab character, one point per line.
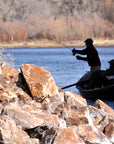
92	55
109	73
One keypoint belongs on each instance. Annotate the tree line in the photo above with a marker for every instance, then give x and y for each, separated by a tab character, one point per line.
59	20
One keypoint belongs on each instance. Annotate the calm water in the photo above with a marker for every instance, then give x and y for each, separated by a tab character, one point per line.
64	67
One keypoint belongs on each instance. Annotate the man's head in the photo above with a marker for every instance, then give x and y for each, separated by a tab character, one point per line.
88	41
111	63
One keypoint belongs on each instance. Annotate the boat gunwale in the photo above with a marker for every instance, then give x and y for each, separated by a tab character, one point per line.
92	90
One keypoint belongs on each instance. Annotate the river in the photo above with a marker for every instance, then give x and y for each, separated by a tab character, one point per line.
60	62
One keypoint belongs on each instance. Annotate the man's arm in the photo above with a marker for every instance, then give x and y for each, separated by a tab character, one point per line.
83	52
81	58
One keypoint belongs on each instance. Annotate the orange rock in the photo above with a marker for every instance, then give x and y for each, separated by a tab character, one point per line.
28	116
92	135
76	117
11	134
104	108
109	131
67	136
10	73
9	92
40	82
101	105
98	118
69	119
74	100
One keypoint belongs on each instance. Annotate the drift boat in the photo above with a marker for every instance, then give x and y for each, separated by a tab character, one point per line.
104	92
99	85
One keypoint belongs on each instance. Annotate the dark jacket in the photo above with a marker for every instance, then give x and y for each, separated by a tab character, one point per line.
92	55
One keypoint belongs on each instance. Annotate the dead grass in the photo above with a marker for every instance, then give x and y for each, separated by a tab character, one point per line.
48	43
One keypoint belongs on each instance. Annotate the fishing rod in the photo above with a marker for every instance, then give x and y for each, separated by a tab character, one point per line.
62	44
73	50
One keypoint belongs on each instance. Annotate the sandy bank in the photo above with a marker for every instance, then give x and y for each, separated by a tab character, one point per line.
48	43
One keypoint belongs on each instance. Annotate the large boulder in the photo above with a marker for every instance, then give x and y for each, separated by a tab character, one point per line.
40	83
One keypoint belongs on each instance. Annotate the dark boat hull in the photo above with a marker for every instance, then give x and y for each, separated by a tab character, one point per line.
105	93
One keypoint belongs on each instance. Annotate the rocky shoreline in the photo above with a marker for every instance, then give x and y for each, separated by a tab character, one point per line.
34	110
48	43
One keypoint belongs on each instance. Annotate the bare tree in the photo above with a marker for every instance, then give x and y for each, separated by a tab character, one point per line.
6	7
106	10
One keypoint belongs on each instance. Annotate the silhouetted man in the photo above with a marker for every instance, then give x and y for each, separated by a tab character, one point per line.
91	55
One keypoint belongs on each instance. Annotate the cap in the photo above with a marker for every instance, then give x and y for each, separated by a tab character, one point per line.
89	40
112	61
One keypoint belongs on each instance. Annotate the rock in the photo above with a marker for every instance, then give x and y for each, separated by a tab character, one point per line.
33	104
73	100
101	105
37	132
2	64
54	105
75	117
28	116
53	115
97	118
91	135
59	109
67	136
23	85
10	92
1	107
61	91
10	73
100	121
12	134
104	108
49	137
51	107
45	134
109	131
22	96
40	83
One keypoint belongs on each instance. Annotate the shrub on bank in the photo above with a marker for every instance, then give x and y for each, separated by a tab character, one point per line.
60	29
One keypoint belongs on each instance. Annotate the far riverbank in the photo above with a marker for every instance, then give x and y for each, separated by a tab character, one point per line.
48	43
